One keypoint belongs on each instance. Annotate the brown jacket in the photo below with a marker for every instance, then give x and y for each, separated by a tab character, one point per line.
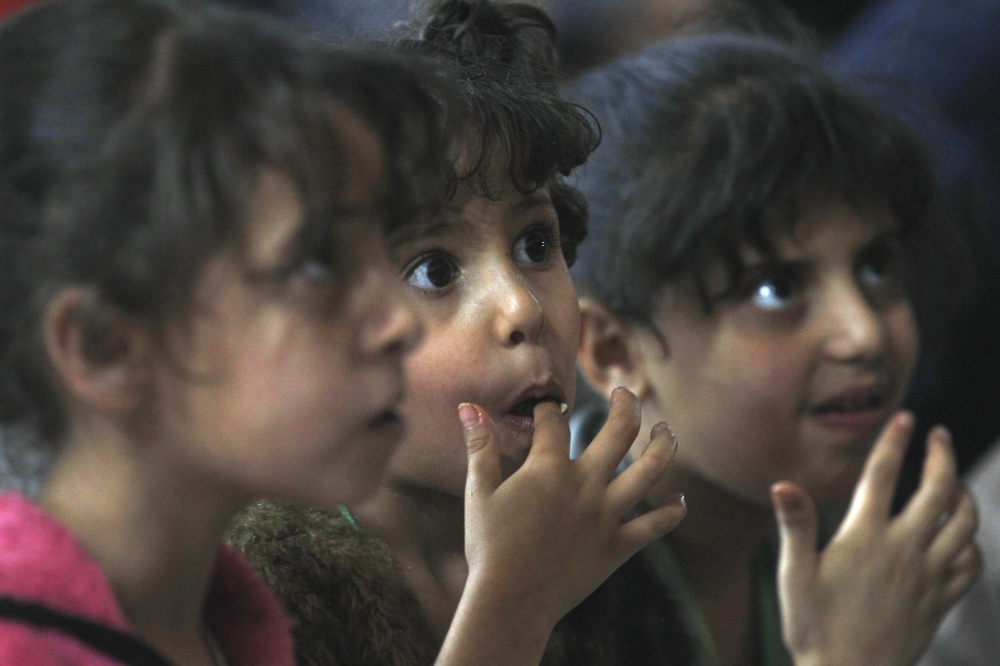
350	605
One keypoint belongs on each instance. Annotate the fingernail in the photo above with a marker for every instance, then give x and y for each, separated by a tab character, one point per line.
904	420
469	416
786	498
675	498
662	427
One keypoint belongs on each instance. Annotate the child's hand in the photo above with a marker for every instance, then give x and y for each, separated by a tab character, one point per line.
538	543
878	591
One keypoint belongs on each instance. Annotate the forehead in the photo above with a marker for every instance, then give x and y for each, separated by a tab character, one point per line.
828	226
470	212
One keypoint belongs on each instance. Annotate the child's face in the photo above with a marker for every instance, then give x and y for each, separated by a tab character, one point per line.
291	387
502	328
794	379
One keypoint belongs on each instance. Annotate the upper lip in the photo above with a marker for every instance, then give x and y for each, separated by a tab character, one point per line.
860	396
539	391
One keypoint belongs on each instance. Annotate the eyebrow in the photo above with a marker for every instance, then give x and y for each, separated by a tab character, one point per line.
438	226
530	202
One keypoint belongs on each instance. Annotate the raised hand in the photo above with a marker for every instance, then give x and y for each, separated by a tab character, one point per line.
538	543
879	590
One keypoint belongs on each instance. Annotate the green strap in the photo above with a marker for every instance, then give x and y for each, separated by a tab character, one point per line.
349	517
772	647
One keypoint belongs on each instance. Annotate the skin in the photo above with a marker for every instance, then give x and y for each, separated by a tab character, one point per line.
281	388
291	388
502	324
744	387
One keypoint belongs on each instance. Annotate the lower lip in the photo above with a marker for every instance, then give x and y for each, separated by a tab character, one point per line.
860	421
515	434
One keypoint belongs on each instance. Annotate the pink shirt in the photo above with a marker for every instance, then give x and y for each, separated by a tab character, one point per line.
42	562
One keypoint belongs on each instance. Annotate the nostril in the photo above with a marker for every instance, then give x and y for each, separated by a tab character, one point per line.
517	337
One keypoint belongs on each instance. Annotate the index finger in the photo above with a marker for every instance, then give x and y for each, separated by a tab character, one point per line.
877	485
551	435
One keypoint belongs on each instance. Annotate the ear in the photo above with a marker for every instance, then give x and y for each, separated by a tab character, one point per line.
608	355
98	354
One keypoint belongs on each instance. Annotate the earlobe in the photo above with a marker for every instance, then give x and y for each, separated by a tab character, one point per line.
97	353
608	355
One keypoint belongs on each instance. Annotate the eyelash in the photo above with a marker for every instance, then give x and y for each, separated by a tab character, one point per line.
423	260
550	232
421	263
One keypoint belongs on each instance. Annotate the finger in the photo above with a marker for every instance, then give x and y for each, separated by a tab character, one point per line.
650	526
481	444
635	483
937	487
798	527
873	495
551	431
957	532
617	435
966	569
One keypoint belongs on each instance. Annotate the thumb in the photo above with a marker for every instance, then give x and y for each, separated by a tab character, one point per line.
484	474
798	526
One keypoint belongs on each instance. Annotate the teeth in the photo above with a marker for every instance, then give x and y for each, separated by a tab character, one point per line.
563	407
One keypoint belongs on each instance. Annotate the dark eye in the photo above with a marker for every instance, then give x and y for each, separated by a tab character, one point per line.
534	247
316	271
776	290
432	272
879	266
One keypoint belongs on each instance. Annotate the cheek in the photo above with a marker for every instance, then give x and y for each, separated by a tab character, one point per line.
562	314
442	373
903	342
736	406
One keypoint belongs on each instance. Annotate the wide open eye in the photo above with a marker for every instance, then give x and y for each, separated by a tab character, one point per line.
432	272
534	247
775	290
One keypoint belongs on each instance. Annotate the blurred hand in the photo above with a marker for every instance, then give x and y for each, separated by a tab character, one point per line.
879	590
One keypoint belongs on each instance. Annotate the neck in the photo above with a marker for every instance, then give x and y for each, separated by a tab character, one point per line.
721	534
154	532
425	530
716	546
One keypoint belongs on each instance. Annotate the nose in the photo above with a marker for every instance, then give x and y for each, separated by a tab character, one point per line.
398	328
518	315
855	330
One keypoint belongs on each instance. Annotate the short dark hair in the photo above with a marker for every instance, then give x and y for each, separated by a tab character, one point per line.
132	133
707	140
504	59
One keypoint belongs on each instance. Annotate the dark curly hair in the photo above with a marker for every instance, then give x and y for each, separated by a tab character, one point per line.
504	59
710	139
131	135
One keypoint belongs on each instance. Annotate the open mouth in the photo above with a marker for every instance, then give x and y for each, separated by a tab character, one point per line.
527	407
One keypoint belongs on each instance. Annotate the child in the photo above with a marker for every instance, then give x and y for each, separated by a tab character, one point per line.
750	278
198	309
491	280
501	329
